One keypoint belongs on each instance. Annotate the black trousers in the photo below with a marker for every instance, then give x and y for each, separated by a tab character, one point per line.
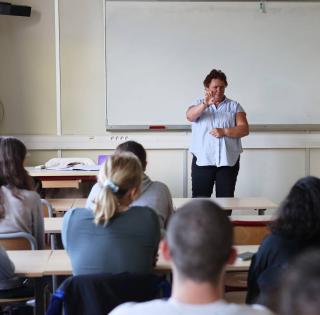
204	178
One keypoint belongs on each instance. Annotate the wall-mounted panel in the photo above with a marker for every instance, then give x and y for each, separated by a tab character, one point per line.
27	76
82	67
168	167
159	52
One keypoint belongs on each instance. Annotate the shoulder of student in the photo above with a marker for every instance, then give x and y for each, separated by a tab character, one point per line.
156	307
152	307
160	188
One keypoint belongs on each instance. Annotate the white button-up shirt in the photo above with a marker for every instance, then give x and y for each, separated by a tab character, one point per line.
208	149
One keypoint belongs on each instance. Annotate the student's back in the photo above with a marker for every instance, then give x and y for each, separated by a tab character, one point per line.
23	213
299	292
113	237
173	307
296	229
127	243
198	244
20	205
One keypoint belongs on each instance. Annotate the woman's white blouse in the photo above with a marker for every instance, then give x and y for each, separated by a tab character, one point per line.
208	149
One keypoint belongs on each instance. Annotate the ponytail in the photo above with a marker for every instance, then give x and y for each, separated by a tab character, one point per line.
120	173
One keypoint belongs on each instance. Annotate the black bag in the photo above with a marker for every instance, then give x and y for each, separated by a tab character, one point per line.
17	309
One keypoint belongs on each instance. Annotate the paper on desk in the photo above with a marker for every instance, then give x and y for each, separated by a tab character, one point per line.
71	164
78	167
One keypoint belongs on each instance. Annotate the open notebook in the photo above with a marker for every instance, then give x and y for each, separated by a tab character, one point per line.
70	164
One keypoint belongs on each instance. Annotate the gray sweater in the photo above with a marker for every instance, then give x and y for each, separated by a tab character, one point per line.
126	243
155	195
23	213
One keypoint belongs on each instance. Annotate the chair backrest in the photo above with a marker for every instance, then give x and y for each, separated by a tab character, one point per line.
99	293
250	232
47	208
18	241
48	213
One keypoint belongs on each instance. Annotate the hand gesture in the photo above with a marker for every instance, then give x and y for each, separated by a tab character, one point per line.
217	132
208	97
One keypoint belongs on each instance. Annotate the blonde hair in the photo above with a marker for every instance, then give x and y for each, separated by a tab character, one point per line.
120	173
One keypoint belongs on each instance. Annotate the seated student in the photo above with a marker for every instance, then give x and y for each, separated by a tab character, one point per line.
115	237
296	228
21	205
300	287
155	195
10	285
199	245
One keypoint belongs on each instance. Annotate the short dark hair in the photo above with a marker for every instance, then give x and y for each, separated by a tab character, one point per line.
200	239
299	214
215	74
136	148
12	172
300	286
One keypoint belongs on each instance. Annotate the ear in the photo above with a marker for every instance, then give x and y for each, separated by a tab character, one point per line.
134	194
232	257
164	249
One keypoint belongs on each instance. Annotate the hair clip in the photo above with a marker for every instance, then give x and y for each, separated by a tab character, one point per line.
111	185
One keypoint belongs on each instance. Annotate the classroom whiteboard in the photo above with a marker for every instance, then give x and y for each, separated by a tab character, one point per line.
158	53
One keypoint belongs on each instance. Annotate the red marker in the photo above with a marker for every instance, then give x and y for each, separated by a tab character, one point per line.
157	127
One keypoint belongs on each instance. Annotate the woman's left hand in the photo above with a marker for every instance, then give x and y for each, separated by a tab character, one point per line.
217	132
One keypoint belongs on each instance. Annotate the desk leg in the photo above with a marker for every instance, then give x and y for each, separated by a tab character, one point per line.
39	284
261	211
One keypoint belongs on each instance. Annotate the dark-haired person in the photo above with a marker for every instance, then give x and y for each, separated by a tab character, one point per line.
218	123
300	287
153	194
18	200
296	228
198	258
115	236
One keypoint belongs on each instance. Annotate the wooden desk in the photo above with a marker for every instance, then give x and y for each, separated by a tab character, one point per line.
32	264
62	179
249	203
54	225
29	263
59	262
38	263
62	204
80	203
52	174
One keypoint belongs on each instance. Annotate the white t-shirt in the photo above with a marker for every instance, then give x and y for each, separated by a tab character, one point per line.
173	307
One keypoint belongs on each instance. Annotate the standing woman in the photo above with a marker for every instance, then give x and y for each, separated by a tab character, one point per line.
21	205
115	237
218	123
